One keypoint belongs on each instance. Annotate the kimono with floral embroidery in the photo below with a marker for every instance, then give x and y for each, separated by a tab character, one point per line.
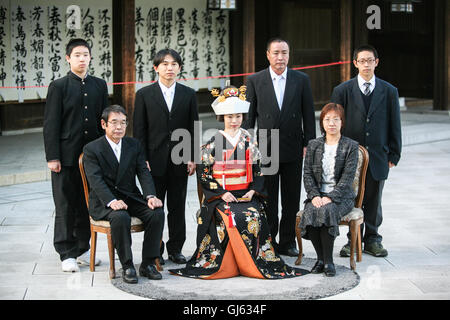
233	233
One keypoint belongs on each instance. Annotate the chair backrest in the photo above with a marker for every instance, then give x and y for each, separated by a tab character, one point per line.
83	178
360	176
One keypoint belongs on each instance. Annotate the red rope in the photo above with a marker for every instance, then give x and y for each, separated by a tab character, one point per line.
201	78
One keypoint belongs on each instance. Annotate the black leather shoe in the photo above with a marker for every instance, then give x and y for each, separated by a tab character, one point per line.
318	267
129	275
329	270
150	272
291	252
178	258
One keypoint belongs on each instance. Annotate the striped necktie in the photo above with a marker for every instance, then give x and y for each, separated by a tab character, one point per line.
367	90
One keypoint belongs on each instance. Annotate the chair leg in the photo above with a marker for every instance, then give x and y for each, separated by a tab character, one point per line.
93	250
112	267
298	233
358	242
353	233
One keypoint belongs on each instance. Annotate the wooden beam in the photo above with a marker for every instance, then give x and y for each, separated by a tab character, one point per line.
248	26
346	39
123	53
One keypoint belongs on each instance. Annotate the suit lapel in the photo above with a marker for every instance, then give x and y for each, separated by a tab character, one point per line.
376	97
159	98
125	156
357	98
177	98
288	93
108	155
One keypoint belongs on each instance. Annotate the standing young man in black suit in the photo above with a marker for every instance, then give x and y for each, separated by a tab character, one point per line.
160	109
72	119
281	99
372	116
112	163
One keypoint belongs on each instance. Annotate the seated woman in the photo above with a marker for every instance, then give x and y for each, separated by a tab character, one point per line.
329	170
233	236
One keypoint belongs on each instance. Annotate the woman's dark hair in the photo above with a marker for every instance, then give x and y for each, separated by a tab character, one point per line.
113	108
221	117
161	54
328	108
76	43
365	47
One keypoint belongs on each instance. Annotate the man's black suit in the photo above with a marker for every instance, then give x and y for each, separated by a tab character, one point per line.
296	124
153	125
71	119
108	180
376	127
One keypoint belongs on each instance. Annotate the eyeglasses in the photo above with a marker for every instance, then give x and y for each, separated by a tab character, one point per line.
335	120
116	123
363	61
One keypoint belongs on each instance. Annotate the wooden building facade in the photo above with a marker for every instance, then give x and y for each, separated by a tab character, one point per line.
414	48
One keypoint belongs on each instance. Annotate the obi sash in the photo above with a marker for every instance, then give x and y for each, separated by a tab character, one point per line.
233	174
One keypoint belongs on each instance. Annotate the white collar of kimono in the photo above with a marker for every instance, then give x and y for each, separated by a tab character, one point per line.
233	140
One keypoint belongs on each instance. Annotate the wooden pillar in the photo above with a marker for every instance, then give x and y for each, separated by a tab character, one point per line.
346	39
248	26
123	55
441	58
446	100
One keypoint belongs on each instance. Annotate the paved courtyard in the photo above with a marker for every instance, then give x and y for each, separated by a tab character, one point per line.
416	229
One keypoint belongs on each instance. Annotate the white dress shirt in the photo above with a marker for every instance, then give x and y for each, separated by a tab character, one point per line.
168	93
279	84
361	83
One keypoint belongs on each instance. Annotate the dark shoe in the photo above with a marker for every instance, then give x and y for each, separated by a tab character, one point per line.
150	272
129	275
178	258
376	249
291	252
345	251
329	270
318	267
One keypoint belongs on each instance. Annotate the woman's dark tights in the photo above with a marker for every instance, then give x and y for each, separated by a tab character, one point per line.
323	243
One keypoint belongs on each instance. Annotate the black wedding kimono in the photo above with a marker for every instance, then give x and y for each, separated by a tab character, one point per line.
233	238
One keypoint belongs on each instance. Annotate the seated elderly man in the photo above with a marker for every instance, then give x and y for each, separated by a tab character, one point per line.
111	164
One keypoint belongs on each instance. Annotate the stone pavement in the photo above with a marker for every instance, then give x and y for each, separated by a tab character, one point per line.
416	226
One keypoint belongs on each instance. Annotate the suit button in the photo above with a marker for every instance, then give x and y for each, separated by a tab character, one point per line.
85	132
367	134
115	187
86	119
368	119
85	107
85	94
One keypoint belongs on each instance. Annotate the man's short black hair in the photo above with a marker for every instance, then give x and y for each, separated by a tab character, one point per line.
276	39
75	43
115	108
365	47
161	54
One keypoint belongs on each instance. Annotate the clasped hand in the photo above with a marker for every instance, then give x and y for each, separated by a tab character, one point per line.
121	205
228	196
320	201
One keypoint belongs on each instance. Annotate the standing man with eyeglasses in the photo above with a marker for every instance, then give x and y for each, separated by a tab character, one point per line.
160	109
372	115
71	120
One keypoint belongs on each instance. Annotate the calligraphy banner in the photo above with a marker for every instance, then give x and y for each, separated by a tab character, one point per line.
33	36
200	36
